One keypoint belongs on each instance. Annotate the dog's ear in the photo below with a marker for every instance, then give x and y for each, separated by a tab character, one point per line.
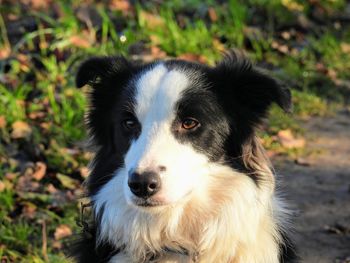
247	90
107	77
97	68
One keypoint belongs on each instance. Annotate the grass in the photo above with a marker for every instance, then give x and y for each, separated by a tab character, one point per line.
37	67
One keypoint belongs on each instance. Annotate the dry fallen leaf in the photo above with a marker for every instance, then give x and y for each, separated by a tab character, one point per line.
57	245
218	45
345	47
40	171
20	129
2	122
212	14
287	139
29	210
45	125
157	53
286	35
62	231
80	41
2	186
121	5
151	20
5	52
332	74
280	47
11	176
292	5
193	57
39	4
37	115
84	172
26	184
51	189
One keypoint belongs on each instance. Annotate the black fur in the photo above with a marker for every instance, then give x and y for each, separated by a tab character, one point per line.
234	98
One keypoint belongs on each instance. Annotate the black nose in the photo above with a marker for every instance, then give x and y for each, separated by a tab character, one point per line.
144	184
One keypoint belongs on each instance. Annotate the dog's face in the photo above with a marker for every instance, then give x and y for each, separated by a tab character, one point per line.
175	127
161	127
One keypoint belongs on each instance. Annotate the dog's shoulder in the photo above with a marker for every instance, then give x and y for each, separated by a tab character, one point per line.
84	248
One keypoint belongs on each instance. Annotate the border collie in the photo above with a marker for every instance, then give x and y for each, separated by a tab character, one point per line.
179	174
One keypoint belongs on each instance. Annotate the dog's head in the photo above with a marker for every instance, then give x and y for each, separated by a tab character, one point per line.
162	126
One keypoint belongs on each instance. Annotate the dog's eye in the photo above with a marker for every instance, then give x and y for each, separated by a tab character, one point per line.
189	124
130	124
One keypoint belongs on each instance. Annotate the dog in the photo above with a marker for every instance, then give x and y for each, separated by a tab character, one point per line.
179	174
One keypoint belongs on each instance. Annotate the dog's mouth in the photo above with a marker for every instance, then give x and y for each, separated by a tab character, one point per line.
147	202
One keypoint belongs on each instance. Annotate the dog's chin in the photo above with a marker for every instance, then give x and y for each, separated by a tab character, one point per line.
147	203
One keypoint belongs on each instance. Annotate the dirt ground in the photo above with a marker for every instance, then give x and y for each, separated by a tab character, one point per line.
319	190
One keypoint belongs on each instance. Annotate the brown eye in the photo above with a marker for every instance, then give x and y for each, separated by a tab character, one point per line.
189	124
130	124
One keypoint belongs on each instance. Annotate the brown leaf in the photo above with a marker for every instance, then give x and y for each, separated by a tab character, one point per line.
345	47
5	52
2	186
287	139
36	115
212	14
292	5
45	125
80	41
2	122
332	74
218	45
157	53
40	171
12	17
26	184
51	189
193	57
11	176
57	245
286	35
40	4
151	20
84	172
62	231
121	5
29	210
271	153
20	129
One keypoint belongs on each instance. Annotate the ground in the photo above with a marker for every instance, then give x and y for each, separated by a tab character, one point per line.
319	190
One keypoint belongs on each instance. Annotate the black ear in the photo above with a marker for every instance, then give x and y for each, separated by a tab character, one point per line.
248	90
107	77
99	68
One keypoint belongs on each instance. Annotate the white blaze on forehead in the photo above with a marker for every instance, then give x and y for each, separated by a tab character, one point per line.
157	92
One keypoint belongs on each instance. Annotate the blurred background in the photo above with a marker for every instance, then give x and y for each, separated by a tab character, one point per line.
43	154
